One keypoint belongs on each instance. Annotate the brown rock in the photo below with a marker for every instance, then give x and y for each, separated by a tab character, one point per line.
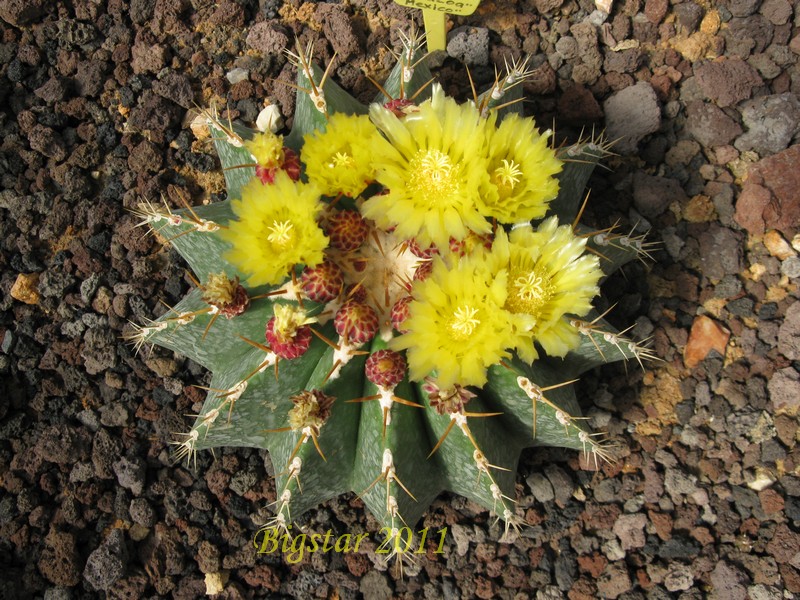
656	10
727	81
578	105
60	561
784	545
706	335
769	198
771	501
24	288
21	12
614	581
593	565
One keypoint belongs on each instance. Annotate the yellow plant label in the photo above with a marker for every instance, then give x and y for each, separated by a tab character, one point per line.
454	7
433	15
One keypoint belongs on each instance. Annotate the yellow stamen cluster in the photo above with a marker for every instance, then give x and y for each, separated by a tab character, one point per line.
219	289
266	148
288	319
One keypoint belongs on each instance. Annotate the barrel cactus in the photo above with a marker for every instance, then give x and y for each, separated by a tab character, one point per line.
395	299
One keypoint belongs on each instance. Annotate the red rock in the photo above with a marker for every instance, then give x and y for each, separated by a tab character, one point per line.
663	524
593	565
769	198
706	335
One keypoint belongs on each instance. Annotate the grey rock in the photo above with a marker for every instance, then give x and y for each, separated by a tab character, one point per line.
613	550
771	122
764	592
114	415
765	66
541	488
709	125
677	483
630	530
470	45
567	47
607	490
563	485
631	114
727	583
461	536
142	513
374	586
791	267
679	578
652	194
106	564
743	8
130	475
81	472
784	390
720	252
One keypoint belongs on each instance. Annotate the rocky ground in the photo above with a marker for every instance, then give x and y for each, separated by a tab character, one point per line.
703	502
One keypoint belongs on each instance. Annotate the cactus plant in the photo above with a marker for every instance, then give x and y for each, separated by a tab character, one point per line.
394	300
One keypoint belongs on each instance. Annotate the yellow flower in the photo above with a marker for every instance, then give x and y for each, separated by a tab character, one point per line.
548	276
433	164
275	230
266	148
456	324
522	169
339	160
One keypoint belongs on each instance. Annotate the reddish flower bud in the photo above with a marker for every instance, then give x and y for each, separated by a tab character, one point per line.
356	322
385	368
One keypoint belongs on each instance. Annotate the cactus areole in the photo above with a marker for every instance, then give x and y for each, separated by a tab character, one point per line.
405	296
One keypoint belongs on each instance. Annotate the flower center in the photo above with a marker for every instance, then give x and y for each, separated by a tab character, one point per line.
463	323
341	160
280	233
433	174
219	289
507	175
529	291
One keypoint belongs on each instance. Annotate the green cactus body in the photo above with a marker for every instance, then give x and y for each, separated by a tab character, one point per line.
328	426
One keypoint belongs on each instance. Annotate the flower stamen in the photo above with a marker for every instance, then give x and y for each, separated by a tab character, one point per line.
280	233
432	173
464	322
508	175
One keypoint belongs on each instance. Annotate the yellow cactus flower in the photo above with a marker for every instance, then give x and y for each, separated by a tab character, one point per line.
548	276
433	164
456	325
522	169
266	148
339	160
276	228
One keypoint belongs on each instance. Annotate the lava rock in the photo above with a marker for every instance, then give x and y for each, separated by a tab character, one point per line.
771	122
631	114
